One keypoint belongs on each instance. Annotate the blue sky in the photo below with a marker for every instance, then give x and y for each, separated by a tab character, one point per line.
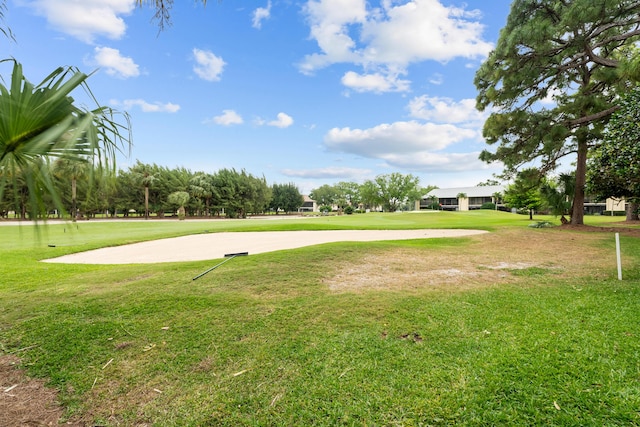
310	92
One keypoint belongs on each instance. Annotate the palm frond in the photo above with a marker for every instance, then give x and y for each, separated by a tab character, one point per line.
42	122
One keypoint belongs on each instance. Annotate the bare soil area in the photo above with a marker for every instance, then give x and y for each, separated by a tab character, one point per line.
25	401
490	260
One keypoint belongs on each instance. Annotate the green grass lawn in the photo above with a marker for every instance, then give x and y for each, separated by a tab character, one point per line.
263	341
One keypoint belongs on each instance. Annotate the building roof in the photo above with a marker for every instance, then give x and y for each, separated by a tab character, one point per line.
480	191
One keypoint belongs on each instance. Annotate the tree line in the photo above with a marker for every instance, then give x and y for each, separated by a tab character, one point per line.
389	192
145	190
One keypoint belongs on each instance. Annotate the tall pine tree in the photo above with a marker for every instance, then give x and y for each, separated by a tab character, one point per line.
552	80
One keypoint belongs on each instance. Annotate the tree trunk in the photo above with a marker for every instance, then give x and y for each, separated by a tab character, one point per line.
577	209
632	211
146	202
531	214
74	203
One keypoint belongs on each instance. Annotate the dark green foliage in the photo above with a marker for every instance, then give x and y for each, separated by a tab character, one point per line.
325	195
396	190
524	193
552	81
614	168
285	197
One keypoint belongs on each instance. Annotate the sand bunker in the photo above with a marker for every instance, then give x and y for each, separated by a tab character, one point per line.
201	247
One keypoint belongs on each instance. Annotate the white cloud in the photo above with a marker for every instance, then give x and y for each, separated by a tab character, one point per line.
147	107
327	173
208	66
424	30
398	137
114	63
329	22
85	20
283	121
446	110
440	162
437	79
228	118
410	145
386	40
260	14
376	82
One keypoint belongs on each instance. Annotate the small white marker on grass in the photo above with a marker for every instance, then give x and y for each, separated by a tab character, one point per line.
618	256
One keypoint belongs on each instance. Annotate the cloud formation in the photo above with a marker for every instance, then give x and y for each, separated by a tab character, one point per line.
376	82
114	63
391	37
327	173
446	110
147	107
406	138
260	14
85	20
283	121
427	144
208	66
228	118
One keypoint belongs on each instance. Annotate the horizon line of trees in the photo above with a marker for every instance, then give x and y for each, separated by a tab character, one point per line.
143	190
148	189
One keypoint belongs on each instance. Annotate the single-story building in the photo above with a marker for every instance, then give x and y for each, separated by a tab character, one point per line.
308	205
470	198
464	198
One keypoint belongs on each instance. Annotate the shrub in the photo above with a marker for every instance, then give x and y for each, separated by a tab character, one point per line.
488	205
348	210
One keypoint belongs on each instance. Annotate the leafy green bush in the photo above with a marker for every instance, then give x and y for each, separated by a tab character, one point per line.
348	210
488	205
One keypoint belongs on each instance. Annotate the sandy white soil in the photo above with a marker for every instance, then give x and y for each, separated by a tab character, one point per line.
216	245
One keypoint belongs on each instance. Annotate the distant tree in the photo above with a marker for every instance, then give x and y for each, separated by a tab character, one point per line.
396	189
72	169
238	193
326	195
179	199
433	202
349	193
286	197
576	54
370	194
489	183
144	176
201	188
557	194
614	168
524	193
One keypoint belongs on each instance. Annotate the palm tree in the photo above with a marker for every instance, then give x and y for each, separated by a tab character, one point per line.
41	123
497	196
144	175
72	169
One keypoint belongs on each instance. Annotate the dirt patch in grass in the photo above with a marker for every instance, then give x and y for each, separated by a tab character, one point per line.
25	401
491	259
